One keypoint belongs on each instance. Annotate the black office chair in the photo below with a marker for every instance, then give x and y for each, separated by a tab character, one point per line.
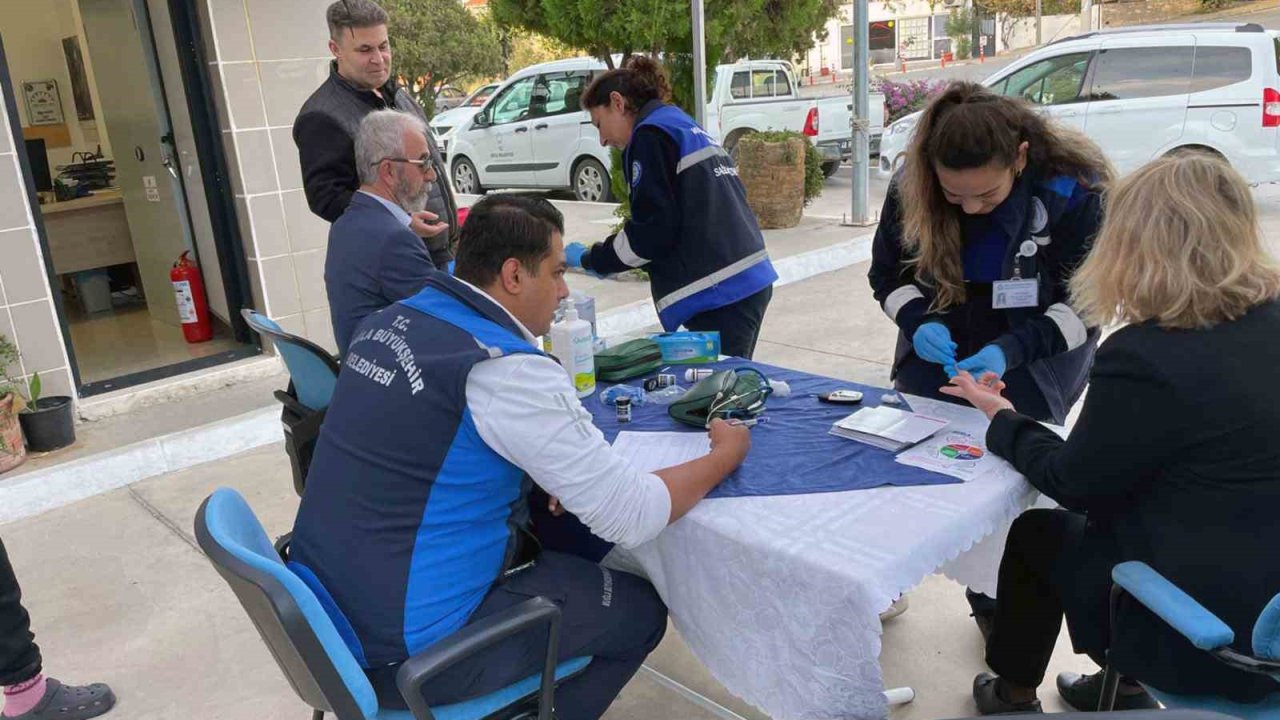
288	613
313	375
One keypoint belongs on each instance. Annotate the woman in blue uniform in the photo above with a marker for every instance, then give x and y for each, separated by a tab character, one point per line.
980	233
690	225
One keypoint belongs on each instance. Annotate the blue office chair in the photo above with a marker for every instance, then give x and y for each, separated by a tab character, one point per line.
313	374
1206	632
308	647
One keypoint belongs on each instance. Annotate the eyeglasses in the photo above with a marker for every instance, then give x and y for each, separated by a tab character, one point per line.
423	163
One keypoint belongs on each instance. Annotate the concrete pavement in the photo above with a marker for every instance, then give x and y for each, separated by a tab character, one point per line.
119	592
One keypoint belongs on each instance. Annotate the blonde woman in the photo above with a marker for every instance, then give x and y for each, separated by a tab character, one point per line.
980	231
1174	460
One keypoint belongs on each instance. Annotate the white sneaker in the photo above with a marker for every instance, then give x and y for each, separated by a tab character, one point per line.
898	607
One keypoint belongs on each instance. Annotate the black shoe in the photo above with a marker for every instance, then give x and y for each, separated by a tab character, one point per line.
983	609
986	694
1082	692
70	702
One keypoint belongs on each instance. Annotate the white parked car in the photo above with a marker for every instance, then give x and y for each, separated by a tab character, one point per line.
532	133
1144	92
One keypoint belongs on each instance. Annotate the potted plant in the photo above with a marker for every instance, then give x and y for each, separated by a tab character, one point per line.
781	172
12	448
47	422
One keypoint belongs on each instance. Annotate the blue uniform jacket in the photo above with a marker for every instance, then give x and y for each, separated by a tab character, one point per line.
690	225
1061	216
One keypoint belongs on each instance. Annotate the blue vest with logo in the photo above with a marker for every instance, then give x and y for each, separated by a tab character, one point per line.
409	517
721	257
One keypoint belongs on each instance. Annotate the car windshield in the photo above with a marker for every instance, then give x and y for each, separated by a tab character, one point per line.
479	96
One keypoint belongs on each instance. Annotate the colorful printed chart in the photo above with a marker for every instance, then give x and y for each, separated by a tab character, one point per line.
958	451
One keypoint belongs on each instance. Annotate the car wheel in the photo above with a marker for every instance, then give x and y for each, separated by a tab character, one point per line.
591	182
830	168
466	181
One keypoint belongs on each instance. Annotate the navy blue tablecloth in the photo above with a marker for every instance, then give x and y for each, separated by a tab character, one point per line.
792	453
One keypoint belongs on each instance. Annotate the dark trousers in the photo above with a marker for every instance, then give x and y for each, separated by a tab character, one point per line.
1035	578
19	654
738	324
614	617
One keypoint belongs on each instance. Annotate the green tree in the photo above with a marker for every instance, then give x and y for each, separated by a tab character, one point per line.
735	28
440	42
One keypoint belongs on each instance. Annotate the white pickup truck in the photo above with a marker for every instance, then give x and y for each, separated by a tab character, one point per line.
757	95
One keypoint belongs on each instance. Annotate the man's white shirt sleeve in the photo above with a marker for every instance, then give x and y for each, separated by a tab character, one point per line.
524	407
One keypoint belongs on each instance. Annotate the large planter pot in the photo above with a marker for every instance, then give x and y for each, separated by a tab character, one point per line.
773	174
12	450
49	426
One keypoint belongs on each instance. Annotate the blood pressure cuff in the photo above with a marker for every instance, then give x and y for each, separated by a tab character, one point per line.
631	359
739	393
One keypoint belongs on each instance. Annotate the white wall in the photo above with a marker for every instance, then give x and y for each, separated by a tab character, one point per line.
33	33
1053	27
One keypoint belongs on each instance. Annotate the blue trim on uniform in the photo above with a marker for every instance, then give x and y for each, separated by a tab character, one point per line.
336	616
463	537
449	309
1063	185
689	137
737	287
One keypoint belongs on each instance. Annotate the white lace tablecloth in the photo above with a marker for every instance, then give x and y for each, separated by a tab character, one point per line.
780	596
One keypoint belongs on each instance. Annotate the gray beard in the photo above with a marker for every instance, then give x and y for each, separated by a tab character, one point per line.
412	203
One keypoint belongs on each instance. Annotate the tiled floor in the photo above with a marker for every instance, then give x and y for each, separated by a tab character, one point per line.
128	340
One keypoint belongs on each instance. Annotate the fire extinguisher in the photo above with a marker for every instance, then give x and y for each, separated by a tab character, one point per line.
193	309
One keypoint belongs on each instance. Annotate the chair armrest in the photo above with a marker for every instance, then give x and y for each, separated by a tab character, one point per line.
1175	607
478	636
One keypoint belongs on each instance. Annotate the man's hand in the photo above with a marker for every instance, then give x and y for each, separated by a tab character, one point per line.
730	442
554	506
426	224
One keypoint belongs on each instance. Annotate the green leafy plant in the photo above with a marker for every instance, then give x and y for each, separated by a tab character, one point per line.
30	394
960	26
814	181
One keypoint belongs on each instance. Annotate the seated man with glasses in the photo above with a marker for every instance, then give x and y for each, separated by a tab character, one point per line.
374	259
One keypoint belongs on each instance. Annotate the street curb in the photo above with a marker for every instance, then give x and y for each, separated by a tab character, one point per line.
38	492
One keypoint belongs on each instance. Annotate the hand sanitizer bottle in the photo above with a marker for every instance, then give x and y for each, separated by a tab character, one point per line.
572	344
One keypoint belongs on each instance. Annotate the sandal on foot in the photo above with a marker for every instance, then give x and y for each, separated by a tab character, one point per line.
70	702
989	702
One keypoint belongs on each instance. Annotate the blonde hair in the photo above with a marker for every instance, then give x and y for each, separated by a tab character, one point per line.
1180	245
968	126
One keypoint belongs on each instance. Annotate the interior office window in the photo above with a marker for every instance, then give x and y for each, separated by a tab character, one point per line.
1130	73
1217	67
1053	81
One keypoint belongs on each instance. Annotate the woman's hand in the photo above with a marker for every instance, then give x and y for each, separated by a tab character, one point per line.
983	393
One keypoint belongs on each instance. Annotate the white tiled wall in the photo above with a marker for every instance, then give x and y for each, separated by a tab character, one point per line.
266	57
27	314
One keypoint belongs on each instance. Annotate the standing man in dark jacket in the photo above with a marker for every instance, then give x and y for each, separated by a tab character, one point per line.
360	82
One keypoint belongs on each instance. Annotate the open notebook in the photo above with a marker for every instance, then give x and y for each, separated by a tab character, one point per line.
887	428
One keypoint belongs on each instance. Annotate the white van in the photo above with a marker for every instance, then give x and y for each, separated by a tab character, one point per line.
1144	92
533	134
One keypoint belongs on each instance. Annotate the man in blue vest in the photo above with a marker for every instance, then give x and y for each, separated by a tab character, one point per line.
415	519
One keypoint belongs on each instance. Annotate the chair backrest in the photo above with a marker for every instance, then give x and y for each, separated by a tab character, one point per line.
288	615
1266	632
313	371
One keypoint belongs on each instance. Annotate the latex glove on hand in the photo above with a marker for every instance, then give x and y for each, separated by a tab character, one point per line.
988	360
932	343
573	253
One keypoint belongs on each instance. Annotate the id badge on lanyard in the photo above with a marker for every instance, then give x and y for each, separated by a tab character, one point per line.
1017	292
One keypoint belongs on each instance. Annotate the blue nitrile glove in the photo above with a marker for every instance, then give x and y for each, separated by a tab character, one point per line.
988	359
573	253
932	342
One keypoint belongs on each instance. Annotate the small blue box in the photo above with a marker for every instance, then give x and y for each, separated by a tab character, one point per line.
688	348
